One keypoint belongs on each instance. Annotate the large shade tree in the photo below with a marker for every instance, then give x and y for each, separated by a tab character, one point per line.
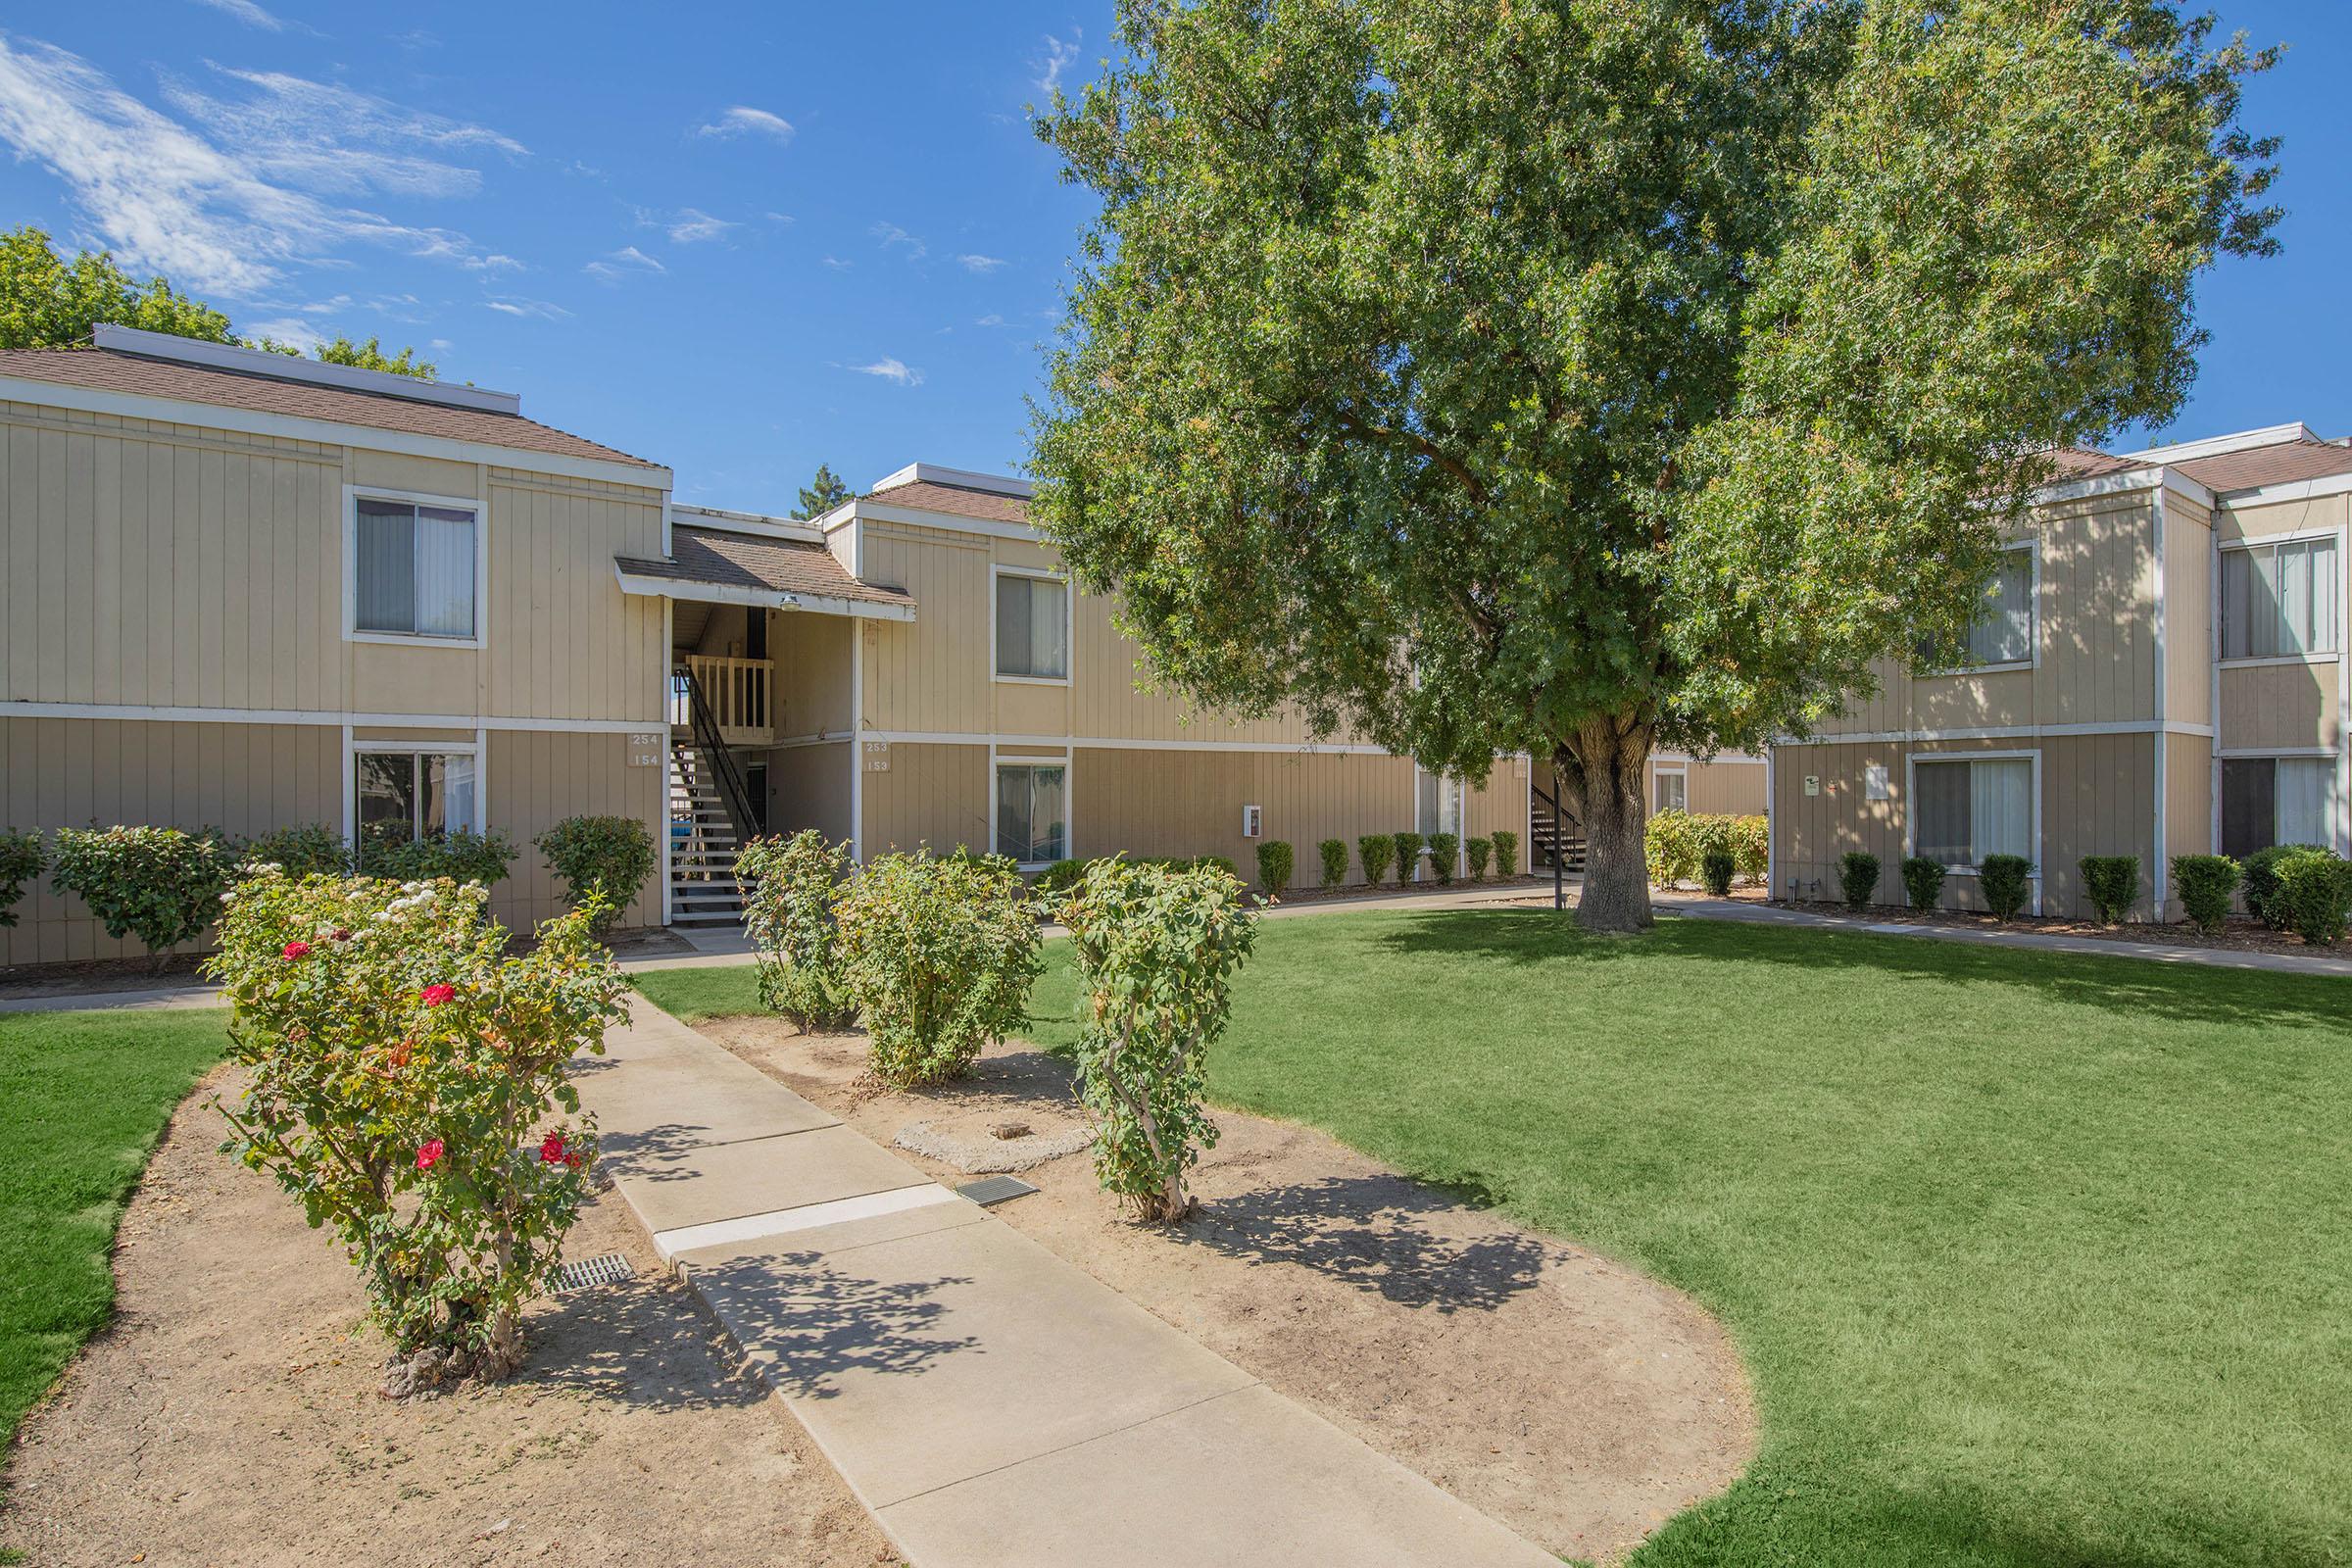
1586	377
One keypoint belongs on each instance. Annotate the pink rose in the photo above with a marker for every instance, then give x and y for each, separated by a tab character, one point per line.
298	949
429	1156
434	996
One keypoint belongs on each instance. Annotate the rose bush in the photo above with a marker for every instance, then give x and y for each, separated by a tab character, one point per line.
789	886
939	954
409	1084
157	884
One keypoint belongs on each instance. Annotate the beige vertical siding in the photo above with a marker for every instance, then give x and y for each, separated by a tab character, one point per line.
2283	517
808	786
2280	707
1811	833
2189	630
2187	805
244	779
564	642
1189	802
935	795
533	779
813	654
1718	788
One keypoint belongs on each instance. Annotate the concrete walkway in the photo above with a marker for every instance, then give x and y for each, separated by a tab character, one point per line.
989	1402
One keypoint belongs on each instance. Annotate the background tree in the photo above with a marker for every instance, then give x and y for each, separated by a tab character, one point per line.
47	302
822	494
1579	377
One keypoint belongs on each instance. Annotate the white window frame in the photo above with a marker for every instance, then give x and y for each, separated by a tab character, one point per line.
352	495
1911	763
2340	808
1461	822
1069	826
2263	541
1680	770
2032	549
1069	612
479	749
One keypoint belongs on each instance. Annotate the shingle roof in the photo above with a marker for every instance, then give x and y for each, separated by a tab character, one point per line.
956	501
773	566
105	371
2280	463
2081	463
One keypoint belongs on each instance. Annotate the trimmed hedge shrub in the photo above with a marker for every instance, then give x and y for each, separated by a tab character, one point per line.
1379	853
1751	847
1716	870
2314	895
1923	881
2111	882
462	857
1444	854
23	857
939	954
1409	857
1506	854
1674	846
1481	851
408	1085
789	889
2007	883
2205	883
157	884
2261	871
1858	879
1156	952
310	849
1334	855
1275	862
600	858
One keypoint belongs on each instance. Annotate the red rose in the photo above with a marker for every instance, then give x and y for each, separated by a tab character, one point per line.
298	949
342	933
429	1156
574	1159
551	1153
434	996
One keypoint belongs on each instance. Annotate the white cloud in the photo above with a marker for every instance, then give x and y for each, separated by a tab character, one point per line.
980	263
516	304
1058	56
891	235
627	262
890	369
991	318
838	265
248	13
287	330
692	225
741	119
227	204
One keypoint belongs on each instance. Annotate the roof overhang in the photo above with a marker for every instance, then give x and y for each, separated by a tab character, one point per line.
722	593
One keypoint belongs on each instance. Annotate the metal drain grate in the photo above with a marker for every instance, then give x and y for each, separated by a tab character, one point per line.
995	1189
609	1269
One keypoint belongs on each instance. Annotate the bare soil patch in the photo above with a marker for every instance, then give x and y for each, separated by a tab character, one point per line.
231	1414
1565	1394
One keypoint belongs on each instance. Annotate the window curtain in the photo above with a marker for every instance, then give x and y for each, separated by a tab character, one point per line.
1032	628
2004	633
2282	600
2306	791
1029	813
386	570
444	572
2000	800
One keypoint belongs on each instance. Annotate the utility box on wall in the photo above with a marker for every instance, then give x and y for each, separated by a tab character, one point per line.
1252	822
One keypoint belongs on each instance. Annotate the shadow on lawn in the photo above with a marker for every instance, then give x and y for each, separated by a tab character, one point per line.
2195	993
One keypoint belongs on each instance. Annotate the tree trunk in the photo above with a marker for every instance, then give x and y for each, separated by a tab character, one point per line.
1600	768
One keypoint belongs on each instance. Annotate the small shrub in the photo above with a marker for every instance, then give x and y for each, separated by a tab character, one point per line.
1444	852
408	1082
1506	854
311	849
1481	851
1057	879
2007	883
462	857
1334	855
157	884
1157	952
1409	857
2314	895
23	857
2261	873
2111	882
789	890
1717	869
1858	879
1379	853
1923	881
2205	883
1751	847
606	859
1274	866
939	955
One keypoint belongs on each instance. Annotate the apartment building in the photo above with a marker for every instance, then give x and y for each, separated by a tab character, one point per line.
2160	670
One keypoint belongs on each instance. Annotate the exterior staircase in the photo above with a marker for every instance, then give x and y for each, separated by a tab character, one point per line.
1538	849
703	844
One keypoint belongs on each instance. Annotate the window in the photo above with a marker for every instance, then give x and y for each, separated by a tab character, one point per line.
1965	809
1030	813
2276	800
402	796
412	569
2280	601
1033	627
1671	791
2003	633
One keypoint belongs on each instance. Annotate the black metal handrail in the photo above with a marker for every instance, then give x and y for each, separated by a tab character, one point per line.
733	792
1559	852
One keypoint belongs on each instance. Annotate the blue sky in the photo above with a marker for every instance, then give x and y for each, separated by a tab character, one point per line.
744	239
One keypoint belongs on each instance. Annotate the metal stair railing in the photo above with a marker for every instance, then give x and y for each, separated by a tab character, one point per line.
1559	844
733	793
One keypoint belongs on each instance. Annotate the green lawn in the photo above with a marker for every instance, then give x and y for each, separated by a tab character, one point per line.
2034	1259
83	1096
